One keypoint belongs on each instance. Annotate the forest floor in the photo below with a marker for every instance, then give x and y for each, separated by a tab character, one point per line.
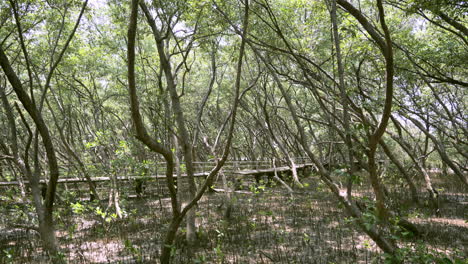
266	225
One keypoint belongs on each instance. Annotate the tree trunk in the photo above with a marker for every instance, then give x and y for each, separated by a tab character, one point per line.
143	136
183	135
48	233
278	179
441	150
385	244
344	101
114	197
401	169
92	185
294	172
14	142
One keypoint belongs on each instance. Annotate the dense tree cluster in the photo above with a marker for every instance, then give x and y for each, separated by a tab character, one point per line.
347	84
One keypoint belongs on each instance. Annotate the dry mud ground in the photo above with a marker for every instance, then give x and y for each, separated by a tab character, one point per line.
267	225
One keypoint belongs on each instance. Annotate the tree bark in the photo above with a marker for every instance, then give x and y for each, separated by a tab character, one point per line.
46	223
385	244
385	45
92	186
183	135
143	136
441	150
344	101
14	142
401	169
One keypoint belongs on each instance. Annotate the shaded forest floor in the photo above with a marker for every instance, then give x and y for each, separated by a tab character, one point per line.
267	225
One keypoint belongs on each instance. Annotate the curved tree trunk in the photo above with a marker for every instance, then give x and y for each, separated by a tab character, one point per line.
433	195
278	179
14	143
45	214
401	169
441	150
143	136
183	135
344	101
387	245
92	185
385	45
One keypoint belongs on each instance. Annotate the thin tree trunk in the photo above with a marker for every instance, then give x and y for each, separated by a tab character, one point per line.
46	224
385	244
143	136
183	134
278	179
228	203
433	195
441	150
183	192
294	172
401	169
92	186
181	184
344	101
14	142
280	144
114	197
385	45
